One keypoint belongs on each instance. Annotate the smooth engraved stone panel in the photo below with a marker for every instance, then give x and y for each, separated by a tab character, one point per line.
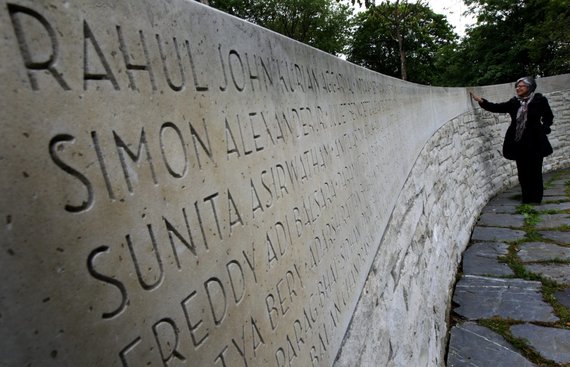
180	187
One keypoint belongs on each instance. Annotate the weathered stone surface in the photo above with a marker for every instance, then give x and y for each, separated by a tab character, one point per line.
496	234
514	191
511	200
501	220
541	251
554	199
557	272
558	184
556	191
473	345
551	343
553	221
555	178
482	297
563	297
506	209
547	207
482	259
562	238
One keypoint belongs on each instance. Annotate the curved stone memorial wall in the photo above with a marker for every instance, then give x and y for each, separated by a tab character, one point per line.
181	188
401	317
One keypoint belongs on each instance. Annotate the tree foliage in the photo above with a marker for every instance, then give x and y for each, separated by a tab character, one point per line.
324	24
511	38
401	40
405	39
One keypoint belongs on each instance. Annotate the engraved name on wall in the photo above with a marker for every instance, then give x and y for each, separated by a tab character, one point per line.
181	188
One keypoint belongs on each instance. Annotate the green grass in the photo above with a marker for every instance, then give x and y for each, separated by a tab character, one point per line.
564	228
549	287
516	265
551	211
556	260
531	219
526	209
502	327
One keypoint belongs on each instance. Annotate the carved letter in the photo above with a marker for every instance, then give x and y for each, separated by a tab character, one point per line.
65	138
216	313
88	75
32	65
174	353
107	279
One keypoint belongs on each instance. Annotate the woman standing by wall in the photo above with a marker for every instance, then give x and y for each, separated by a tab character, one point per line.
525	140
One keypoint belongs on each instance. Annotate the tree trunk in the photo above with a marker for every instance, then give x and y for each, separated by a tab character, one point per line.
403	67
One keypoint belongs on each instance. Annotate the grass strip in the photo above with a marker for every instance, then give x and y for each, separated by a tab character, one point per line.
503	328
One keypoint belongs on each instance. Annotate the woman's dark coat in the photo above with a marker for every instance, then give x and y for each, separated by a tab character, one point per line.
534	143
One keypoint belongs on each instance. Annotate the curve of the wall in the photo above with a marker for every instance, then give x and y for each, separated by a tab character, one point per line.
182	187
401	316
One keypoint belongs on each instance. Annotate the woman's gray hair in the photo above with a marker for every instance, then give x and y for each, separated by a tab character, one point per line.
528	81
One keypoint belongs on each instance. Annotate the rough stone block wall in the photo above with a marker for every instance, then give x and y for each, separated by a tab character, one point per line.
401	318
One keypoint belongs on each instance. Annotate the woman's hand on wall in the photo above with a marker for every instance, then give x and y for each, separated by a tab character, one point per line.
476	97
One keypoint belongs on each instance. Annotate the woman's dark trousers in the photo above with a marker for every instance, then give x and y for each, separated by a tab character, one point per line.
530	178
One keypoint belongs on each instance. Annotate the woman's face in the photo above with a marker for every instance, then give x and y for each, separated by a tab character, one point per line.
521	89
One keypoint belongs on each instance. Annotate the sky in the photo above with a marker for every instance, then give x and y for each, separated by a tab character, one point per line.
454	10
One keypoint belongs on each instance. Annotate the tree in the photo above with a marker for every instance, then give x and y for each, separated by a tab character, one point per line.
324	24
401	39
402	13
512	38
546	39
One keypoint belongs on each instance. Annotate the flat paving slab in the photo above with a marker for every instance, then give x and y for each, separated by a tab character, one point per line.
553	199
551	343
506	199
501	220
548	221
483	297
558	272
474	345
558	184
563	297
558	207
496	234
482	259
558	190
542	251
481	294
560	237
506	209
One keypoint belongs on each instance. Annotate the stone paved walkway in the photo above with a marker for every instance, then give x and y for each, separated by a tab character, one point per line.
511	304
